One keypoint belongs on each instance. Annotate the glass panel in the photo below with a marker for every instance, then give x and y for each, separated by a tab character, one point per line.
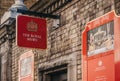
101	39
59	77
26	66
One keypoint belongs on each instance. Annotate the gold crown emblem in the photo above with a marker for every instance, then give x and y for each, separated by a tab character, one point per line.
32	26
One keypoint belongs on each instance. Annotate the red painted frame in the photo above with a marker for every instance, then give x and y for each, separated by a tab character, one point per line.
113	55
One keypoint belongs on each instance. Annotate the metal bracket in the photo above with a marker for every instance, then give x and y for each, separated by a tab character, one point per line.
38	14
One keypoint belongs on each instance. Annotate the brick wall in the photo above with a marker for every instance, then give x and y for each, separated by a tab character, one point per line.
117	6
8	61
29	3
6	4
66	39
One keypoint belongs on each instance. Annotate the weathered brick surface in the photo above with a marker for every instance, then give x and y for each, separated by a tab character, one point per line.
117	6
5	4
65	40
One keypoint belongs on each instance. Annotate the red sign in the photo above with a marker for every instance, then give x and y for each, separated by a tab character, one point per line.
101	69
101	50
117	48
26	66
31	32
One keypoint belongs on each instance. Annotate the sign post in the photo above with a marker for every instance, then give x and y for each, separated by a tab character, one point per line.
100	49
31	32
